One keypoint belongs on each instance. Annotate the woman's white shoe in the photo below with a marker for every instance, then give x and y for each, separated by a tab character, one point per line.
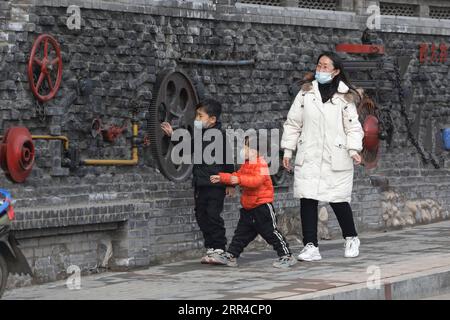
351	247
309	253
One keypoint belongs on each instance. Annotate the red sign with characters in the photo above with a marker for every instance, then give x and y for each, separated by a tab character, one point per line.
432	53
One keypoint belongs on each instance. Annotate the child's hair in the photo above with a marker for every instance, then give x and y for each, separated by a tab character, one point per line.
211	107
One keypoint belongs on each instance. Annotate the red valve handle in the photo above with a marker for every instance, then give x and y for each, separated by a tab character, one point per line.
45	65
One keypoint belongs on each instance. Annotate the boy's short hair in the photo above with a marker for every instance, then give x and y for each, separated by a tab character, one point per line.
211	107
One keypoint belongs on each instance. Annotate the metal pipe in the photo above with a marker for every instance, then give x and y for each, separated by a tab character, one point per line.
114	162
46	137
367	65
61	138
217	62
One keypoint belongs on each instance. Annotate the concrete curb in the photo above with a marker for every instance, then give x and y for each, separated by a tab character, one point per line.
406	287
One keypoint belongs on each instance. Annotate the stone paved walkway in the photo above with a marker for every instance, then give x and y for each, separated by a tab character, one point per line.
399	253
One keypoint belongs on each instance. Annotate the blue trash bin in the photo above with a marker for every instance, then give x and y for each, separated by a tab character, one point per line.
446	138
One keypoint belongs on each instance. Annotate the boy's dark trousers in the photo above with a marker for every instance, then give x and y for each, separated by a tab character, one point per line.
208	207
260	220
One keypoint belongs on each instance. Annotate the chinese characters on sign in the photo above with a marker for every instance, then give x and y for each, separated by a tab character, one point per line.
433	53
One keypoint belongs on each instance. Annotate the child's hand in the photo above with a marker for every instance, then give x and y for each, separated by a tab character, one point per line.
167	128
230	191
234	180
214	179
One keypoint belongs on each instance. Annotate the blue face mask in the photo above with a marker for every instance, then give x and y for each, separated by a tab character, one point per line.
323	77
198	124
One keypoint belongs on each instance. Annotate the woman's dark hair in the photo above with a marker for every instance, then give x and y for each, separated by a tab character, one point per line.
342	76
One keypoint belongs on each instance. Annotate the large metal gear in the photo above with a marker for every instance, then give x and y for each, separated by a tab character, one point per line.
174	101
368	117
279	178
17	154
371	142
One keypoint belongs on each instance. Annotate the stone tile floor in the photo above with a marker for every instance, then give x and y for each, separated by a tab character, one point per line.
408	251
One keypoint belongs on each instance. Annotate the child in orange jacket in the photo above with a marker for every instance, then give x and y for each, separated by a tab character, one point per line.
257	215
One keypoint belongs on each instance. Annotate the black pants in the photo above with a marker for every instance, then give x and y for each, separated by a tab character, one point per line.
208	207
260	220
309	217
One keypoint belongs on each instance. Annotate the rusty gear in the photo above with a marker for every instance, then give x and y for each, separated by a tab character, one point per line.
368	117
17	154
174	102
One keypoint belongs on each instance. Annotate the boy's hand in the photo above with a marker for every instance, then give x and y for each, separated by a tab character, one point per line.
167	128
234	180
214	179
230	191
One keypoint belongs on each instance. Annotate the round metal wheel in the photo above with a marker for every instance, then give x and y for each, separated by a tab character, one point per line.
45	68
17	154
371	142
174	102
280	176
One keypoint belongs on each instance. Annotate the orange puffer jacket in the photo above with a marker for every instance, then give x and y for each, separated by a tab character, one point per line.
255	181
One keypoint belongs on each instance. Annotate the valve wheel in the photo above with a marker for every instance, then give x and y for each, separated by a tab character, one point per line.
174	102
371	142
17	154
45	68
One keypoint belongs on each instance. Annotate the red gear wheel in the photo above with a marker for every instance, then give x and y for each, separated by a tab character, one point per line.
17	153
371	142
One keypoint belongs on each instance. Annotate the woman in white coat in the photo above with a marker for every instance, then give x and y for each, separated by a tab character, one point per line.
322	125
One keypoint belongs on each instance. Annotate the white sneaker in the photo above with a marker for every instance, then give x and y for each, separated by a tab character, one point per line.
310	253
205	259
351	247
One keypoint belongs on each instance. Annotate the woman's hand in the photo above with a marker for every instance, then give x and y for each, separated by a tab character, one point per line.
214	179
287	163
357	159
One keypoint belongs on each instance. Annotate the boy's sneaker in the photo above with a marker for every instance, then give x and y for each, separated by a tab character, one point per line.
310	253
351	247
224	259
205	259
284	262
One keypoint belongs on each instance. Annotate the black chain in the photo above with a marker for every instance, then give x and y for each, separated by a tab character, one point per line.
411	137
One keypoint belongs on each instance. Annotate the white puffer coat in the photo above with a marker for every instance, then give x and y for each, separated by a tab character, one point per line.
325	136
